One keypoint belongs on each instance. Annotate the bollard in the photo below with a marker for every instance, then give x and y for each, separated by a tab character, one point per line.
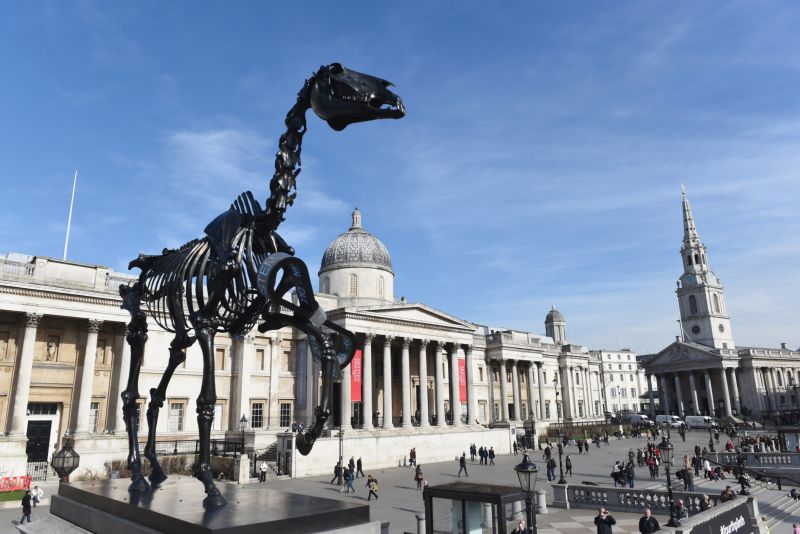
541	501
487	516
516	510
420	523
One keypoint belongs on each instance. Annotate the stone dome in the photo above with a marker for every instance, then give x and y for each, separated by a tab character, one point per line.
554	316
356	248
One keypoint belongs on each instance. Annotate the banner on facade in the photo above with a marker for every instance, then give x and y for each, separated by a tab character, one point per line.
462	380
355	377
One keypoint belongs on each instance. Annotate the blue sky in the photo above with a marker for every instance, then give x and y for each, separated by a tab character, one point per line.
540	161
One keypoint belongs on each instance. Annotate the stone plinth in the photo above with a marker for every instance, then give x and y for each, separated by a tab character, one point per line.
106	506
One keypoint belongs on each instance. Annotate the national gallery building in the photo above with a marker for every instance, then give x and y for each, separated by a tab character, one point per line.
704	372
421	377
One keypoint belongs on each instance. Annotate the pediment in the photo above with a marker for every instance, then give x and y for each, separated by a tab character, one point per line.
680	354
419	313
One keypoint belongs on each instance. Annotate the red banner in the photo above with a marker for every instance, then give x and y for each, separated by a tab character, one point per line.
15	483
355	377
462	380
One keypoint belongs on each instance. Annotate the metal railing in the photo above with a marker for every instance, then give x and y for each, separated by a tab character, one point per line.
38	470
218	447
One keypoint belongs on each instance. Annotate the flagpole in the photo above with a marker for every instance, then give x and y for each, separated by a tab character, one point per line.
69	219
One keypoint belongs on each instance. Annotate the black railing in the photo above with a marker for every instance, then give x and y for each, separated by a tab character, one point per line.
38	470
218	447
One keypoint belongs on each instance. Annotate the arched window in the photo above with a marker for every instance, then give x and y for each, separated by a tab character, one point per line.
353	290
716	303
380	287
779	379
688	260
692	304
697	259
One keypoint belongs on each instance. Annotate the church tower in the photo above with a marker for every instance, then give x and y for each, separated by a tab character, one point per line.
701	298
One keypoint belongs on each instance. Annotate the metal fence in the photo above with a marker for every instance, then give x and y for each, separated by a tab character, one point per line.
218	447
38	470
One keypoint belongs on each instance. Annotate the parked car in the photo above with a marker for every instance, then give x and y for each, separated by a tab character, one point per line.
699	421
673	420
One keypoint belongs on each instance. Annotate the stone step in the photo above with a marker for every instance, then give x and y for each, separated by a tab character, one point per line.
789	512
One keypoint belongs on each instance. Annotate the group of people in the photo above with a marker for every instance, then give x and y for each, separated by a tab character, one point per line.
485	455
604	522
348	473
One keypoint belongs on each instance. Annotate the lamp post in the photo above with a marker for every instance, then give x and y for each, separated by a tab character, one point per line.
242	428
559	435
667	449
526	472
66	460
710	438
341	455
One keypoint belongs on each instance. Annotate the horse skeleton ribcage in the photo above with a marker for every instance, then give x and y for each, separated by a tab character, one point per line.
179	278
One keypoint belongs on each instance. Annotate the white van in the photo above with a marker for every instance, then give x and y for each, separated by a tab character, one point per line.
699	421
673	420
636	419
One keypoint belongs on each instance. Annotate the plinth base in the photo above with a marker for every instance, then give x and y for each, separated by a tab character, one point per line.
106	506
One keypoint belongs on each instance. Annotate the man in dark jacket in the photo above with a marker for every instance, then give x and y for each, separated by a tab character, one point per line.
337	473
648	523
462	465
26	507
604	521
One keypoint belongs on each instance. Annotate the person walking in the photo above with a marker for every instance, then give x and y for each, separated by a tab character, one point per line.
604	521
26	507
263	469
491	455
551	469
352	465
516	448
648	523
348	482
373	488
359	467
36	495
419	477
337	472
568	466
629	474
462	465
345	474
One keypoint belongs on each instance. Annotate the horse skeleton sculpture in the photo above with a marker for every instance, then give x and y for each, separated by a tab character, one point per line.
242	271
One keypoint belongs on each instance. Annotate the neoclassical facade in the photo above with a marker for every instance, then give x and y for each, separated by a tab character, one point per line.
703	372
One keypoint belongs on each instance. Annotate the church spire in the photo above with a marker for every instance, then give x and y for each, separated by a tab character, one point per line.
690	235
693	251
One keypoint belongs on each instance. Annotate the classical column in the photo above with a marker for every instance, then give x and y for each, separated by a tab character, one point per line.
366	380
541	389
472	405
503	392
122	381
776	399
568	398
587	392
24	370
531	401
87	378
455	386
650	396
693	387
387	382
424	420
726	396
737	405
405	363
515	393
665	392
710	393
346	412
440	415
678	394
274	376
243	353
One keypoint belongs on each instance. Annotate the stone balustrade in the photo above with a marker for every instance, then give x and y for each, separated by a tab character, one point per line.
631	500
759	459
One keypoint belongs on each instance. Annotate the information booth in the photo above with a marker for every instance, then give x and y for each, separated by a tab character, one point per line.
467	508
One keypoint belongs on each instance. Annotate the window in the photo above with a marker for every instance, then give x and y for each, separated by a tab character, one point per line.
287	361
326	284
629	357
716	303
380	287
257	415
524	411
547	409
631	377
697	258
596	407
692	305
175	423
688	260
94	414
219	359
621	378
580	408
633	393
480	375
779	378
577	378
613	392
620	366
261	359
496	411
623	393
482	410
217	424
286	413
353	290
544	377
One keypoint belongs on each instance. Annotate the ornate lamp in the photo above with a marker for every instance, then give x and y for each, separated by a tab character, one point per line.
242	428
66	460
666	449
526	472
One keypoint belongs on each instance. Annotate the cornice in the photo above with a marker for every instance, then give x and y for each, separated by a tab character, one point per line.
55	295
343	314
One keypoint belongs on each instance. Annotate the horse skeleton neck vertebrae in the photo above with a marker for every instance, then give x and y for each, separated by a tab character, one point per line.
242	270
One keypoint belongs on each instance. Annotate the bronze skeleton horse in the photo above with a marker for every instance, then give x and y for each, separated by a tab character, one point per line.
242	270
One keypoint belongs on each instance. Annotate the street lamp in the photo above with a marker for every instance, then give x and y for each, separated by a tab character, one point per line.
559	435
65	461
667	449
710	437
341	455
242	428
526	472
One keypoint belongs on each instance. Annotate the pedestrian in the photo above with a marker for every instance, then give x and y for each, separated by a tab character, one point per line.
345	473
681	512
359	467
26	507
516	448
705	504
795	528
604	522
462	465
616	474
418	477
520	528
629	475
568	465
472	451
348	482
547	453
263	468
551	469
648	523
337	472
36	495
491	455
352	465
688	479
373	488
412	456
